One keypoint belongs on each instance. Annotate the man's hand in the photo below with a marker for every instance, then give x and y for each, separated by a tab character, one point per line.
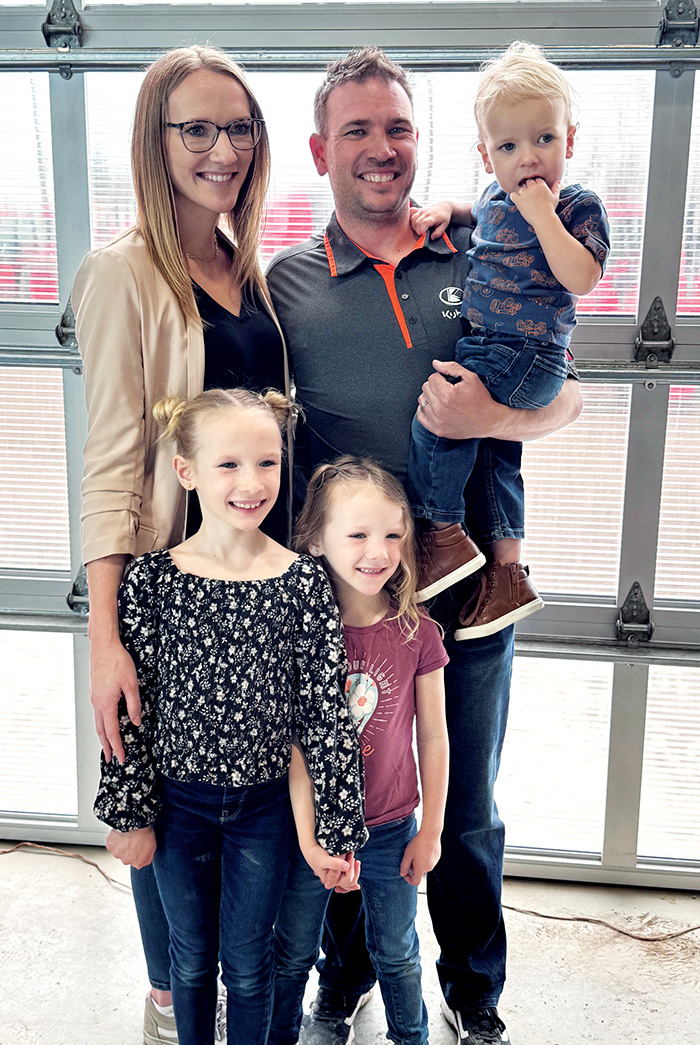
535	200
112	673
134	848
465	410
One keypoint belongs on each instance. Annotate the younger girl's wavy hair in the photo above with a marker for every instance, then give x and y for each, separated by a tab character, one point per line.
341	478
180	418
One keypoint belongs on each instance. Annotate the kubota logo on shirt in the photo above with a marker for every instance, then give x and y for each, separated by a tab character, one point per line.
451	296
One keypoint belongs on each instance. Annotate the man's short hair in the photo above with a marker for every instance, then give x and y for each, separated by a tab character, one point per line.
360	64
520	74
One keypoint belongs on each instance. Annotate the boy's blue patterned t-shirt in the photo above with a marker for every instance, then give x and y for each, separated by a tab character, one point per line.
510	287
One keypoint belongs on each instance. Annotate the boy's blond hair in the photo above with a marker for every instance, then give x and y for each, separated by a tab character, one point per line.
519	74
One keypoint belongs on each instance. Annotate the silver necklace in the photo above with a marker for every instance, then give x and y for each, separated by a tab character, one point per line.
206	260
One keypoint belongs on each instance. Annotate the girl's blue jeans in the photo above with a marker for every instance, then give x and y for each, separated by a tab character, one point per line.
221	862
390	910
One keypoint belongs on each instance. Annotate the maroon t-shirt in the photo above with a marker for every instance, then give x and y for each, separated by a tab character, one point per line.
381	692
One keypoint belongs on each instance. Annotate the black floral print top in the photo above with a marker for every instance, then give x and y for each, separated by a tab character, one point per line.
228	671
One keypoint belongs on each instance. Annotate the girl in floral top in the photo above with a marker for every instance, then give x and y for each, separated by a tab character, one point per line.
238	647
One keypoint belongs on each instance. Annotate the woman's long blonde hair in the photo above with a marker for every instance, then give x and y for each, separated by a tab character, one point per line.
343	477
157	218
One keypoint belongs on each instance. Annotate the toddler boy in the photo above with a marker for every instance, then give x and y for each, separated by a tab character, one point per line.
537	247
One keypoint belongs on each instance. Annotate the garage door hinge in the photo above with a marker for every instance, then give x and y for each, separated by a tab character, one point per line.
62	28
634	624
654	343
77	597
679	24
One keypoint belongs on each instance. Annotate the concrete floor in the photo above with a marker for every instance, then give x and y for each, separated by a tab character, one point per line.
72	972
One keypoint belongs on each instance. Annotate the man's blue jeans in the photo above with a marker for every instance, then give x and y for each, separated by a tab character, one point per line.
464	890
221	863
390	908
518	372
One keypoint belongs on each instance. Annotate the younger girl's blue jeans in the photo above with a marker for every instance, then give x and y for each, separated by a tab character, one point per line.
390	911
221	864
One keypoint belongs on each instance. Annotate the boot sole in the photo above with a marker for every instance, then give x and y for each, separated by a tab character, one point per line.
481	630
451	578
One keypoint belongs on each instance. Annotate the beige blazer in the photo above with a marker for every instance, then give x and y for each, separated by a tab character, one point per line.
136	348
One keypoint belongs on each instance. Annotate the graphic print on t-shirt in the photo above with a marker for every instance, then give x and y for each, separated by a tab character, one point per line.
371	689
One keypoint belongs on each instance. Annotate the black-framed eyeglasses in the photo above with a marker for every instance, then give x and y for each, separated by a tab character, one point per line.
202	135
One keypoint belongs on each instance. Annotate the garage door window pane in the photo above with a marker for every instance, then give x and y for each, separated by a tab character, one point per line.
574	494
678	571
669	817
34	506
38	772
28	268
551	785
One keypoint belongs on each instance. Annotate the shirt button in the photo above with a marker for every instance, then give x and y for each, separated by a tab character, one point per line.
405	297
412	319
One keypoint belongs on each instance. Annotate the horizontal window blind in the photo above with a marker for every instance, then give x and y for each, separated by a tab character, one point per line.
678	556
28	268
669	817
34	506
611	157
574	494
110	99
689	281
551	785
38	773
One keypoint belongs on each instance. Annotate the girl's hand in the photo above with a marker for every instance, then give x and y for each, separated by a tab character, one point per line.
349	883
420	856
331	870
435	214
134	848
112	673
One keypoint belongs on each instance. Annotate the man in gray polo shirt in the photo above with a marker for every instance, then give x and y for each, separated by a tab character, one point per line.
371	316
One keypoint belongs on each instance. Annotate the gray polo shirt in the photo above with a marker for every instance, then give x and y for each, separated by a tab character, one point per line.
362	335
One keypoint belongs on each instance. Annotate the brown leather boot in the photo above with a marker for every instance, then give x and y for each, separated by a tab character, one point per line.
446	556
503	594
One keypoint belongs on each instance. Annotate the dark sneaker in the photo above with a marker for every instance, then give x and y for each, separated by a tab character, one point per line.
477	1026
445	557
330	1021
157	1028
503	594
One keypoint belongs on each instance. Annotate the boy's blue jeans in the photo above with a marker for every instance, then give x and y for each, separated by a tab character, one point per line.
390	909
517	372
221	863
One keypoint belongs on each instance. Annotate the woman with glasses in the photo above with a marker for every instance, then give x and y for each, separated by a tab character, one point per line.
176	304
